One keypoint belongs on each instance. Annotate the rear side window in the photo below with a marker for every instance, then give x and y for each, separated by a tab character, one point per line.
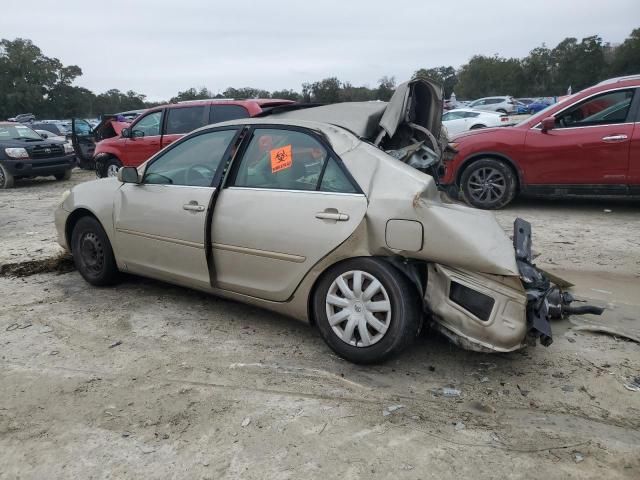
289	160
184	119
222	113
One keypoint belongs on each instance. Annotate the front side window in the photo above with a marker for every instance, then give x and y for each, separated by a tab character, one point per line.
452	116
148	126
607	108
290	160
184	119
192	163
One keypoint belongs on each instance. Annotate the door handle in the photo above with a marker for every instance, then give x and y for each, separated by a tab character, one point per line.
336	216
615	138
193	206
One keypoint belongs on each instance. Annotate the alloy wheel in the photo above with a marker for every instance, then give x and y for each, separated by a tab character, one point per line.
358	308
487	185
112	170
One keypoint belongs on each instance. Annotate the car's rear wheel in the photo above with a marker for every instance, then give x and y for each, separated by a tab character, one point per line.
108	167
64	176
366	310
92	253
476	127
488	183
6	179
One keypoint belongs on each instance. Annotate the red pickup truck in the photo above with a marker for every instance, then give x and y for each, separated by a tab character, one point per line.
157	127
586	144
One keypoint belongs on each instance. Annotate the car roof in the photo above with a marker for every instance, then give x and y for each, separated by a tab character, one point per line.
10	123
262	102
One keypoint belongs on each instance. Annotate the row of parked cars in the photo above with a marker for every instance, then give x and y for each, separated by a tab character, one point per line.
505	104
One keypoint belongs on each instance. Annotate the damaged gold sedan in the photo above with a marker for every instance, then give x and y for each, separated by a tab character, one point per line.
316	220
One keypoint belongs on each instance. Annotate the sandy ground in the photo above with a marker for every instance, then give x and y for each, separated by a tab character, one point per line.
149	380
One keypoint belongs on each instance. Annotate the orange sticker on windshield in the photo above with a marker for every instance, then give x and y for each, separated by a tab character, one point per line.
281	158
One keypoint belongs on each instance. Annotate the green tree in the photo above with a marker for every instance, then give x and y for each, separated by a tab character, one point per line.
286	95
626	57
192	94
537	72
487	76
245	92
386	87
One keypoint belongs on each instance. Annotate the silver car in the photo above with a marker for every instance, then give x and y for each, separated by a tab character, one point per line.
308	219
505	105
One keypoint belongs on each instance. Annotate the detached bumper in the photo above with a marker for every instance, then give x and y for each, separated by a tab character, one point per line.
30	167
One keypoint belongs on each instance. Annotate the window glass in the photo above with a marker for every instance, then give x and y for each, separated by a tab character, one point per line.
471	114
453	116
335	180
608	108
222	113
81	127
149	125
184	119
284	159
192	162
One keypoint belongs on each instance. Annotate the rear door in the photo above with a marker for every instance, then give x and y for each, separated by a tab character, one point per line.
588	150
180	120
287	204
144	139
161	222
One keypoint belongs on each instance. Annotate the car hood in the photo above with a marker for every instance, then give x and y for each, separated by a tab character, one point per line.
481	131
26	144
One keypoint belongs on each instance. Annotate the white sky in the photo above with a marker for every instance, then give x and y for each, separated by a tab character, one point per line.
159	47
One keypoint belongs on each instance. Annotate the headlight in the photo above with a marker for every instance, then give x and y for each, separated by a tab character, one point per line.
16	152
68	148
65	195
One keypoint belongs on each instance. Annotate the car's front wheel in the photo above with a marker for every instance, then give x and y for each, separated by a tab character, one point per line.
6	179
64	176
92	253
366	310
488	183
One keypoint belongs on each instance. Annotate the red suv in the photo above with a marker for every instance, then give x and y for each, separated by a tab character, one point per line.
587	144
157	127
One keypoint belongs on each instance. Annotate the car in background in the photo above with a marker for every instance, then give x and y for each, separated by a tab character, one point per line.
156	128
538	105
463	119
586	144
47	135
505	104
25	154
23	118
55	128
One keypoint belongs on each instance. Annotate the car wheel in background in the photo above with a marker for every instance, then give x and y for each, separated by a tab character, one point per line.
92	253
488	183
64	176
108	167
366	310
6	179
476	127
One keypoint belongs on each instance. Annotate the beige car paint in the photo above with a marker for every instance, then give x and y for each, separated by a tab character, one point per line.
467	241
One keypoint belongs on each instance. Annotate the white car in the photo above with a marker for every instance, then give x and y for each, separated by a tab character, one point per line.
463	119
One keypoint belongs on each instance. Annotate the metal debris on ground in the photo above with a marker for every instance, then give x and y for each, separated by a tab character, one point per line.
578	457
451	392
633	385
245	422
459	426
390	409
119	342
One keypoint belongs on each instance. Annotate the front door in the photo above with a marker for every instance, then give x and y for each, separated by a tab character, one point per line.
161	222
589	145
144	139
83	139
287	204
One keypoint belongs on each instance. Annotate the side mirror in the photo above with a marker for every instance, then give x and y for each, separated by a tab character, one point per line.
548	123
136	133
128	175
125	133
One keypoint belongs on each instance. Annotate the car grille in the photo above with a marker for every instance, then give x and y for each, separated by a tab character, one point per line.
44	151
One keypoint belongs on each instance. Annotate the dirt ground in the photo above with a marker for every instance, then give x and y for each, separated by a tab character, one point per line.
149	380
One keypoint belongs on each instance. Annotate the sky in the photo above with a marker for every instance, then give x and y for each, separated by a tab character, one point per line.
159	47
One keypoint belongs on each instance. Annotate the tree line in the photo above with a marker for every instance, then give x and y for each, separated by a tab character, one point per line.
31	82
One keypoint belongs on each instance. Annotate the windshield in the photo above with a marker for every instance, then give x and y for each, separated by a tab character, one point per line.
18	132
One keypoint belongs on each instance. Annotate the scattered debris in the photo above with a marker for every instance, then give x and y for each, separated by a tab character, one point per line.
451	392
323	427
390	409
119	342
406	466
633	385
484	379
607	210
568	388
618	332
54	352
46	329
578	457
147	449
245	422
523	392
481	407
126	434
459	426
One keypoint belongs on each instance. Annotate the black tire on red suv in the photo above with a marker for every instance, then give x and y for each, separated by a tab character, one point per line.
488	183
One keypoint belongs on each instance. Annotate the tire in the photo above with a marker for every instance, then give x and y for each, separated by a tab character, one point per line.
92	253
488	183
6	179
476	127
395	327
85	164
108	167
64	176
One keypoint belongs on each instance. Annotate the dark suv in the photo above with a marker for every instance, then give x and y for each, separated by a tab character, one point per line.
156	128
25	154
